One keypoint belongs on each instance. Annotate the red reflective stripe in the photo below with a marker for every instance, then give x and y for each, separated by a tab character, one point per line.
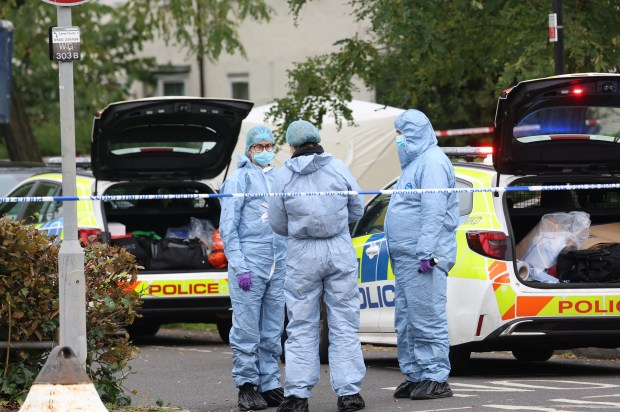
479	328
156	149
569	137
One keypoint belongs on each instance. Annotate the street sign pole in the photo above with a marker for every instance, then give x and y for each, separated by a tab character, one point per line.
72	283
558	48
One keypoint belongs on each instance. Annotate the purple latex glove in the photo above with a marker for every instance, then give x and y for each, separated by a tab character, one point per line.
425	266
244	280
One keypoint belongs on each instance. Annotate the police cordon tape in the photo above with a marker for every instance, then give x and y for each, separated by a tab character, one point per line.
107	198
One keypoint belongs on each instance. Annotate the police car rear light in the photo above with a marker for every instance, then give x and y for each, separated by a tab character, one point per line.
89	235
489	244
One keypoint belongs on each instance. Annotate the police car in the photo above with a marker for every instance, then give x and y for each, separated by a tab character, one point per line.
553	131
152	146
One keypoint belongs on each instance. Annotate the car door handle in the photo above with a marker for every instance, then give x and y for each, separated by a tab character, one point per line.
372	250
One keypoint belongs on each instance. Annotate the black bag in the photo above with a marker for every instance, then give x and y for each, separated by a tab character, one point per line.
139	247
178	254
600	265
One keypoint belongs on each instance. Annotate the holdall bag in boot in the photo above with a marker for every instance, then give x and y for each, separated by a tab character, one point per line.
601	265
139	247
178	254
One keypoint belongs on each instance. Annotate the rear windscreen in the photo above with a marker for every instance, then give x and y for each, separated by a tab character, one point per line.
147	189
183	138
570	123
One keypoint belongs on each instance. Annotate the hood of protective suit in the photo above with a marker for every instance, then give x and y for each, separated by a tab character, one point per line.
242	161
308	164
418	132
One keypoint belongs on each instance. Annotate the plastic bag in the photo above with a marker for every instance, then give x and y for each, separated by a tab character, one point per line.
179	232
554	233
202	229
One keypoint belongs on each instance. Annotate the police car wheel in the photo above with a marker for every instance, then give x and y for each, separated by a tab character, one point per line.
323	336
223	328
284	337
459	360
538	354
143	328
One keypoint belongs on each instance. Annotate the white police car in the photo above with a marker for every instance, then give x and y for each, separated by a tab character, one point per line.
156	146
553	131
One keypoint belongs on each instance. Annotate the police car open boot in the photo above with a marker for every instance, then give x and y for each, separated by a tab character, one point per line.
250	399
293	404
431	390
274	397
350	403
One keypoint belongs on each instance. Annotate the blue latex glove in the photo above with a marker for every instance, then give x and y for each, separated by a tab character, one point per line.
425	266
244	280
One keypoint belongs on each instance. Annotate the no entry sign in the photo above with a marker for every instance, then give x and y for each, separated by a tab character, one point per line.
65	2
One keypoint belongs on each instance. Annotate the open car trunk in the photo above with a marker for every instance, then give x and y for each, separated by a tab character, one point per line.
157	220
525	210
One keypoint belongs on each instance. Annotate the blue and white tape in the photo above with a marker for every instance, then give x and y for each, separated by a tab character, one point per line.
389	192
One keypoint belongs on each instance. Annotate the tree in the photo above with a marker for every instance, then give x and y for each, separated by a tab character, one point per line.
112	38
450	59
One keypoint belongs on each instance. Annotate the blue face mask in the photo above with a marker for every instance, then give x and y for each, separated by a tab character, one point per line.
263	158
400	142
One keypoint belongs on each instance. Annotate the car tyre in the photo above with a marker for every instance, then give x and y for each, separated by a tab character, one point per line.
459	360
143	328
538	354
223	328
323	336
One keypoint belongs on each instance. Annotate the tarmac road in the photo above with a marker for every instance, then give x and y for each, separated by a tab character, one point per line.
191	370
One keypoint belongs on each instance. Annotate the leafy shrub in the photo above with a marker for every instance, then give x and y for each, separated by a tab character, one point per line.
29	311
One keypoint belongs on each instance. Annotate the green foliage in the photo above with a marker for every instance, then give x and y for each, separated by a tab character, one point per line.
110	43
204	27
112	38
450	59
29	310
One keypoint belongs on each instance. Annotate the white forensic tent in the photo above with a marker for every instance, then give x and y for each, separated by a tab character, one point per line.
368	148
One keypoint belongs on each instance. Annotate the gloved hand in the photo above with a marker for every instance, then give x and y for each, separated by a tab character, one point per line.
425	266
244	280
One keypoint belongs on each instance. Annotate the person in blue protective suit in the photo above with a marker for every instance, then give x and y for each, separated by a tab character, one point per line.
320	261
256	271
420	231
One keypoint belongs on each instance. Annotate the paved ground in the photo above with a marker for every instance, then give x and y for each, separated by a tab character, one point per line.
191	370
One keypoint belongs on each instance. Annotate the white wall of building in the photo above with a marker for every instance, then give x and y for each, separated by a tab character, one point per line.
271	50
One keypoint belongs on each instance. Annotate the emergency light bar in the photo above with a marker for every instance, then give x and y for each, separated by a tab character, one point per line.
83	162
481	151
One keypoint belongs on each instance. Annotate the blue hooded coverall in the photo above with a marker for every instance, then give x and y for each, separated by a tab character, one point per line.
321	260
420	227
251	246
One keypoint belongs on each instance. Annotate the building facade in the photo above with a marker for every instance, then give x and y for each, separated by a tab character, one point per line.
271	49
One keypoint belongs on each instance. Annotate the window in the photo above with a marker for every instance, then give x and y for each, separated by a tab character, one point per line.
11	209
239	86
174	88
41	212
570	123
466	199
171	80
374	216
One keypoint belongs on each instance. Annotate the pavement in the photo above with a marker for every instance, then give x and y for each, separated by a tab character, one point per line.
595	353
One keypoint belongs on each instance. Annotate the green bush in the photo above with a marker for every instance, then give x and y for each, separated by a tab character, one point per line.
29	311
